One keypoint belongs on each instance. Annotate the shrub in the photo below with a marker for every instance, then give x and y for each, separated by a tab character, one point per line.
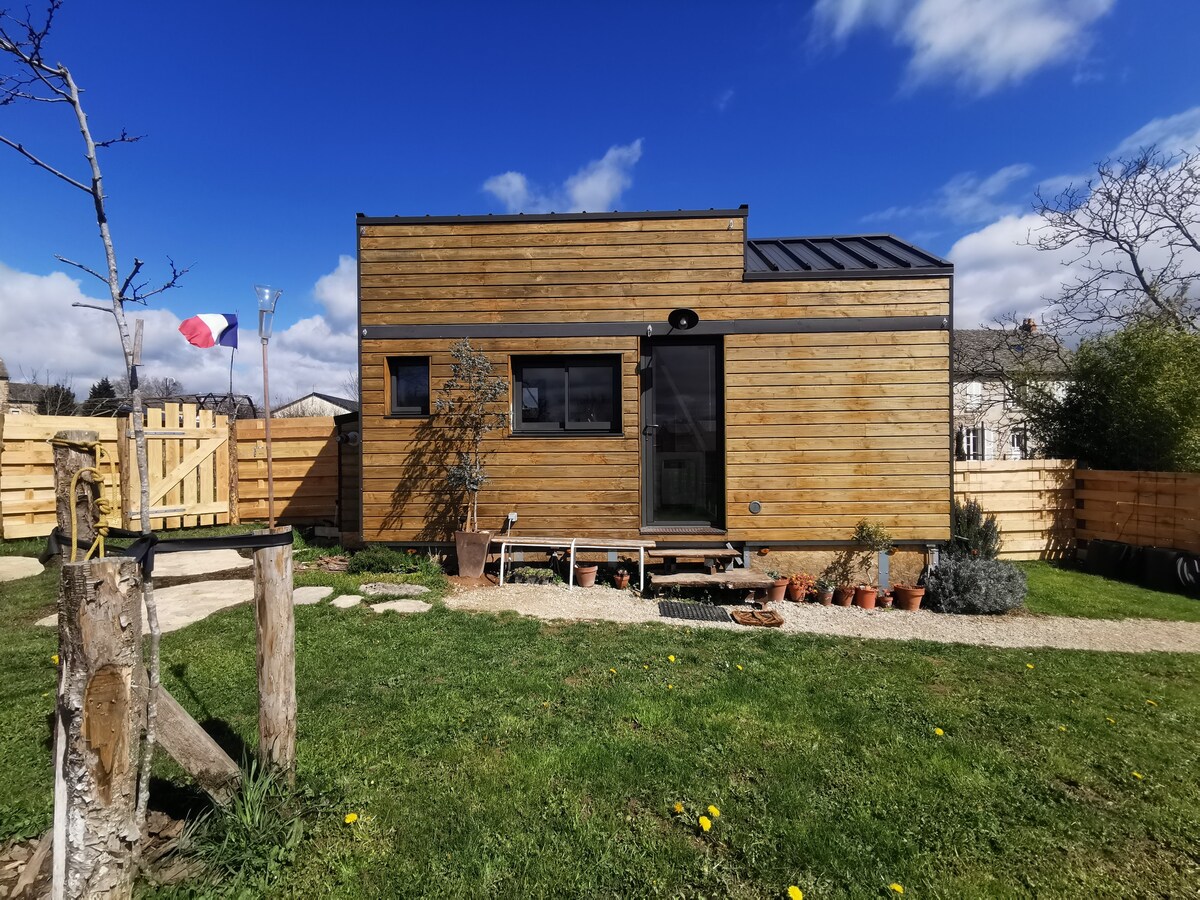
385	559
975	532
972	585
533	575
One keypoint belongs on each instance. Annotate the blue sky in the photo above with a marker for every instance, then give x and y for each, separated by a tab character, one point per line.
269	125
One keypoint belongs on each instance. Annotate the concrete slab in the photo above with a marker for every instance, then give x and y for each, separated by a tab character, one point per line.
346	601
384	589
402	606
187	603
306	596
14	567
197	562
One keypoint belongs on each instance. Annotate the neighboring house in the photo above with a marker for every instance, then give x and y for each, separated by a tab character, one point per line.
991	367
813	391
23	398
315	404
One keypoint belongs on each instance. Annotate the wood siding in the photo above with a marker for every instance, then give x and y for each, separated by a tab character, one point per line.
822	428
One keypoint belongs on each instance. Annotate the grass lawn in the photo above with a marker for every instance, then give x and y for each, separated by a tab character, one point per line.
500	756
1057	590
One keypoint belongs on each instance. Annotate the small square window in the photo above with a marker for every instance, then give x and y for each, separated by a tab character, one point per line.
567	394
408	385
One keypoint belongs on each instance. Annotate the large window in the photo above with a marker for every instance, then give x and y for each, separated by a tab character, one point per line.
408	385
567	394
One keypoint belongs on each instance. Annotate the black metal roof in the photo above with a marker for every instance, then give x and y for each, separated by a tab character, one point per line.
614	216
851	256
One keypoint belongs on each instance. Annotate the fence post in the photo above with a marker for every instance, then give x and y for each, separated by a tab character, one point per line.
235	517
275	635
72	453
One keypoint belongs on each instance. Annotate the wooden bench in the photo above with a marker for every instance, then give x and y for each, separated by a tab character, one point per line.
573	544
734	579
710	556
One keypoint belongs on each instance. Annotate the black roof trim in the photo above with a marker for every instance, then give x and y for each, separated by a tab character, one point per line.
741	212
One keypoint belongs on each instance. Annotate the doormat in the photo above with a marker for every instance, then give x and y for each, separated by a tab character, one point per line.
763	618
696	612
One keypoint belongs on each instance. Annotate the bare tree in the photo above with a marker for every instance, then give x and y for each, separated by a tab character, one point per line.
1134	232
350	385
28	77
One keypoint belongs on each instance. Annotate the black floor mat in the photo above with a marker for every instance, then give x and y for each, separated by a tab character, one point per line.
697	612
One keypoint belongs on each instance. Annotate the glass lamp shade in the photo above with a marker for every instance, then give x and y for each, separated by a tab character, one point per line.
267	298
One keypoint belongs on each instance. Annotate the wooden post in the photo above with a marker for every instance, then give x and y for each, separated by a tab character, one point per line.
71	454
194	749
275	633
100	717
234	494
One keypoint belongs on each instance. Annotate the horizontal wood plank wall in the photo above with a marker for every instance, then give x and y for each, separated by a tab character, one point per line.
861	407
1033	501
1148	509
27	470
305	463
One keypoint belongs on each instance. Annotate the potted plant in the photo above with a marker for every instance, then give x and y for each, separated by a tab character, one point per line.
621	578
585	573
467	406
872	539
776	592
907	596
839	575
798	586
824	590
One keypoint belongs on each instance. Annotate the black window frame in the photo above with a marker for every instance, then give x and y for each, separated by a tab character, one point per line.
407	412
565	361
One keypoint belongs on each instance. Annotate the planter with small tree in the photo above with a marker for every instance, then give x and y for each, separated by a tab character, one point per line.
466	406
870	538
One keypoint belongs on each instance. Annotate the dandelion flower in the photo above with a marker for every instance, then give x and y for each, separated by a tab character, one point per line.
794	893
670	659
1152	702
705	823
1110	720
740	669
1138	775
938	732
645	667
1062	727
351	818
896	888
714	812
54	659
1029	665
670	687
678	807
614	671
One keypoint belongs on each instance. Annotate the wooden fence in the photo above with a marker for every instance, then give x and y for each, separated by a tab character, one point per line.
1147	509
1033	500
305	461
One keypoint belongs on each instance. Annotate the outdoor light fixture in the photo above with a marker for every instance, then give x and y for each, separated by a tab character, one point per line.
267	298
683	319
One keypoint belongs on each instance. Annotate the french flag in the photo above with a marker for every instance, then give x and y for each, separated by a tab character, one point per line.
210	329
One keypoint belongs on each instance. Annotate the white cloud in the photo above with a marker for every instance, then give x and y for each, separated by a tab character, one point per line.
723	99
984	44
964	199
596	187
42	333
1171	134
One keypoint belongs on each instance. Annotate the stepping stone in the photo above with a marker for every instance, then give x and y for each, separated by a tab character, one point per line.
346	601
198	562
383	589
187	603
402	606
14	567
307	596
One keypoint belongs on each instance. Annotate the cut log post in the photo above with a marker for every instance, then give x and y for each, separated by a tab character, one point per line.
71	454
100	717
195	750
275	634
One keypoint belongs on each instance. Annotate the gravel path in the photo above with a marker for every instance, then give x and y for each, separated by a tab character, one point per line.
606	604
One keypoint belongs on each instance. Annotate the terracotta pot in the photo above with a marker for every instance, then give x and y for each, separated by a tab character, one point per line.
620	582
585	575
907	597
864	597
795	592
825	598
777	591
471	548
843	596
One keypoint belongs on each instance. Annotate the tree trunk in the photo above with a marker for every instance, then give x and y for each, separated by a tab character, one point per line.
275	631
101	713
71	454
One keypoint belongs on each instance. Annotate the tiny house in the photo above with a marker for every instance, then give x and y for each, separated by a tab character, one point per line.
669	378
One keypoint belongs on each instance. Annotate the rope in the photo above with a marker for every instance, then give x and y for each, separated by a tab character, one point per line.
104	505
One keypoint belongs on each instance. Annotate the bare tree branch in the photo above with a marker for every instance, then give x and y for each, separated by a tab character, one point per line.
107	309
44	165
79	265
123	138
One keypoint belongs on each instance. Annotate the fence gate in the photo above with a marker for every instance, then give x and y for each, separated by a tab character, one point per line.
187	451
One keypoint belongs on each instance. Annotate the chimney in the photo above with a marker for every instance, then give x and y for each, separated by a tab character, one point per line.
1029	326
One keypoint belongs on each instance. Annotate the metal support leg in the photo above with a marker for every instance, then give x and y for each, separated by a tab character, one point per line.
571	569
503	545
641	570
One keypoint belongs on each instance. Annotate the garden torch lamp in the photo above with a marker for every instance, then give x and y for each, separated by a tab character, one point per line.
267	298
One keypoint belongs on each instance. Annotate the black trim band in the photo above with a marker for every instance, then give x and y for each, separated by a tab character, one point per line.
661	329
739	213
850	274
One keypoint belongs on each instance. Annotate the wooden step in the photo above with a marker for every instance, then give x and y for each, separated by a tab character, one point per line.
693	553
734	579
